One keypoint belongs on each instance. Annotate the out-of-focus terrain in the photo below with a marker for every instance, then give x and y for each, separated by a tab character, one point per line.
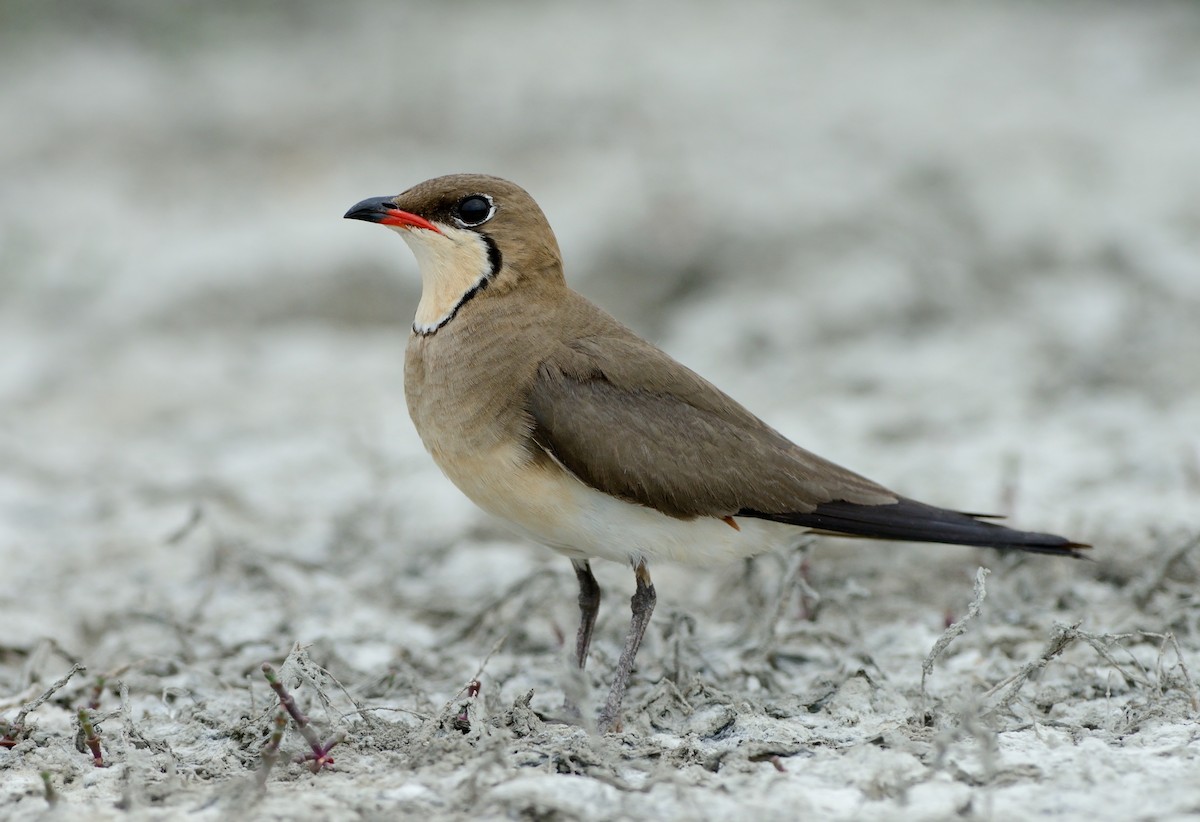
954	247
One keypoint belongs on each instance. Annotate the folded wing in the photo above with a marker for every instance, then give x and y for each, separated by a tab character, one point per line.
663	437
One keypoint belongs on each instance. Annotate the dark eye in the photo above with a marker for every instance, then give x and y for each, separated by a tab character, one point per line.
474	210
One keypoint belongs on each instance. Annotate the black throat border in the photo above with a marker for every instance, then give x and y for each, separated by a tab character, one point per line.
494	263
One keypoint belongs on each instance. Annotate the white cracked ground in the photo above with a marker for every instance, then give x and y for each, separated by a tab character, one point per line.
956	248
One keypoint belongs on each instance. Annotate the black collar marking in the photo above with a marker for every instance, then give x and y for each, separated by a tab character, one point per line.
494	263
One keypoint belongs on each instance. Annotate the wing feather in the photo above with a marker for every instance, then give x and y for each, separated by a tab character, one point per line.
665	438
628	420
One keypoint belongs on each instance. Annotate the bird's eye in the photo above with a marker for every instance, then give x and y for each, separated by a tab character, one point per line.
474	210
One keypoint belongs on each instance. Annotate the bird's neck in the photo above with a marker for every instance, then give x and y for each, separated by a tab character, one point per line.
452	274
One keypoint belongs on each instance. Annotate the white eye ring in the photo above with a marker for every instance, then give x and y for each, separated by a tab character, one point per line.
457	213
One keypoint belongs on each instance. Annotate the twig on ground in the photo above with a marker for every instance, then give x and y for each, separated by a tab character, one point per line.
969	720
308	668
1063	637
320	755
462	722
496	646
90	737
680	645
1145	589
1136	677
195	516
792	579
1100	643
810	599
955	630
518	599
1189	686
392	708
133	733
270	751
13	731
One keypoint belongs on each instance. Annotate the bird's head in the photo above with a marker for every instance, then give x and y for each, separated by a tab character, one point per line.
469	232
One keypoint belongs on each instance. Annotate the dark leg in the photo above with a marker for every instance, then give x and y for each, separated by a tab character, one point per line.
589	606
642	605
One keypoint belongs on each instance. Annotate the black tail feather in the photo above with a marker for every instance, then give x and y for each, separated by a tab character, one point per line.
914	521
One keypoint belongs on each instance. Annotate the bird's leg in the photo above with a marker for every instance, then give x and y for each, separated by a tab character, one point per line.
642	605
589	606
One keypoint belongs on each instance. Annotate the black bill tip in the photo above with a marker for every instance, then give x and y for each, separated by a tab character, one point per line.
372	209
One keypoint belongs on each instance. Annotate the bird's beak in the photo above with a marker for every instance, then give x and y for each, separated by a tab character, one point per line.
383	211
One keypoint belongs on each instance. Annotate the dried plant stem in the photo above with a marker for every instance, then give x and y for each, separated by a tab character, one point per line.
793	578
15	729
270	751
1189	686
1063	637
462	722
1146	588
320	756
957	629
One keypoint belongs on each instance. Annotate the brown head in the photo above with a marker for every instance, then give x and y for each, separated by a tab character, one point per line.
469	232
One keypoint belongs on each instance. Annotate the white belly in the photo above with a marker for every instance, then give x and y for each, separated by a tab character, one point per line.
609	528
551	506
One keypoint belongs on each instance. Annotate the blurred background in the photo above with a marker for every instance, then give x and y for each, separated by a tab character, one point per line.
953	246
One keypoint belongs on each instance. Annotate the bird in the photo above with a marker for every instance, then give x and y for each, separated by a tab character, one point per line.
550	414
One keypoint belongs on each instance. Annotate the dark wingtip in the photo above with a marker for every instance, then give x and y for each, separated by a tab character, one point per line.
909	520
1067	549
